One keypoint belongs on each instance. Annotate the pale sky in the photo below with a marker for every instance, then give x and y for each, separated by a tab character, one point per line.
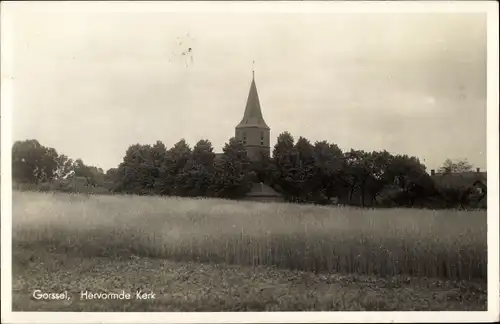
90	84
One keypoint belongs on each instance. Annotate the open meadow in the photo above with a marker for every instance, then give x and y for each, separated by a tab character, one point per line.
218	255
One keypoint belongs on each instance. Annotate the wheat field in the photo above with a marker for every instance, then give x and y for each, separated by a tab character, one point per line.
445	245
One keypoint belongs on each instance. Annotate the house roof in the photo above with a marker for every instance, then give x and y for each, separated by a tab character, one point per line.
262	190
461	179
253	113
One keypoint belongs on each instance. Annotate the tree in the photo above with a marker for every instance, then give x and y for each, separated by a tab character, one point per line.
96	177
379	177
203	153
232	171
49	164
81	170
135	174
175	162
197	176
410	176
457	166
64	167
111	174
287	170
159	158
329	165
111	179
33	162
93	174
306	170
359	169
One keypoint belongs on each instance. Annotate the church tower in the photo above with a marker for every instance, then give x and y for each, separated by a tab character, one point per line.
253	130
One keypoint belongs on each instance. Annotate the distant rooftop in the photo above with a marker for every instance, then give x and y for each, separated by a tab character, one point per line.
457	179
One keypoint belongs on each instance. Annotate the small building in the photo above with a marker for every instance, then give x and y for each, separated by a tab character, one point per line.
466	179
263	193
472	182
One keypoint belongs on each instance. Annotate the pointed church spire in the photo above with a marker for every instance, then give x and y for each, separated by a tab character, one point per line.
253	113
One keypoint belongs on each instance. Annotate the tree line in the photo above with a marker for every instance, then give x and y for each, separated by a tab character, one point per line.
33	163
303	172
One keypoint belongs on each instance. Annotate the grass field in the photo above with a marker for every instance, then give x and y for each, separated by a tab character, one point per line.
216	255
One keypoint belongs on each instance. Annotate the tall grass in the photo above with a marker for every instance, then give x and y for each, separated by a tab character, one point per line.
384	242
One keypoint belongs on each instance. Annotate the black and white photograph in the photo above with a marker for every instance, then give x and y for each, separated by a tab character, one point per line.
249	158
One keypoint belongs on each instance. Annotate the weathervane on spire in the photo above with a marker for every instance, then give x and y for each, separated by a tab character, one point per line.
253	69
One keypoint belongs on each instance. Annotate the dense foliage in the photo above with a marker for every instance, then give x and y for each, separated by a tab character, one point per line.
301	171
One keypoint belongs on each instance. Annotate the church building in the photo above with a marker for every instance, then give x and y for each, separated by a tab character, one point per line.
254	133
253	130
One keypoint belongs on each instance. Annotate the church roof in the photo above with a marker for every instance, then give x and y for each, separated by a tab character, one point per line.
253	113
262	190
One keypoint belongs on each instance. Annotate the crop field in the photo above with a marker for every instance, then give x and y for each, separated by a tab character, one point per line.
218	255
